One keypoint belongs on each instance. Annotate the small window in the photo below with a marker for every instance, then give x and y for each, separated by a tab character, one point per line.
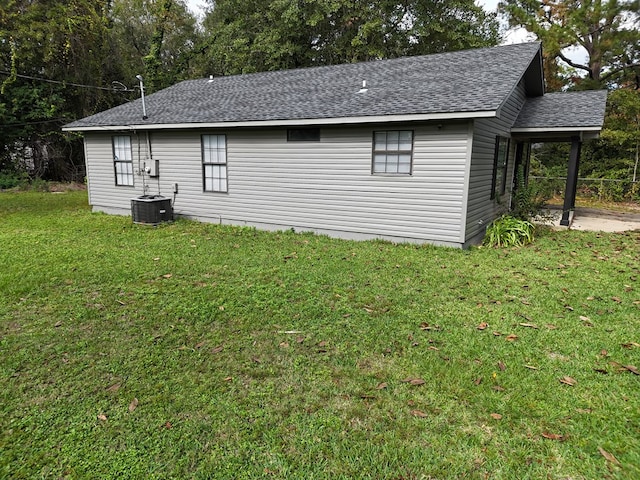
123	160
392	152
500	162
214	163
303	135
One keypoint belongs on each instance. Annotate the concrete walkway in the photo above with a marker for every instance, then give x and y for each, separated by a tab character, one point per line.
596	220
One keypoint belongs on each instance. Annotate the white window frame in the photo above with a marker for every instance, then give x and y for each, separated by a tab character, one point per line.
392	152
214	163
122	160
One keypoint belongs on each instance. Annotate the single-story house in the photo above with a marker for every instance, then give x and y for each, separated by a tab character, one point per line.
418	149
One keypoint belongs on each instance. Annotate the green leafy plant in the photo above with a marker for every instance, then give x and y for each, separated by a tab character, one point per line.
9	179
508	231
528	198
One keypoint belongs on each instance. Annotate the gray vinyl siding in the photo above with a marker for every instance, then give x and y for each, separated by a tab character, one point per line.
481	209
324	186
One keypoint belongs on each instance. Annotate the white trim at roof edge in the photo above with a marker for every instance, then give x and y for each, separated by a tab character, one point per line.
293	122
554	129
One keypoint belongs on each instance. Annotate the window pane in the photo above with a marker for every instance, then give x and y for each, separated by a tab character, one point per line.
405	140
392	163
392	140
404	164
380	141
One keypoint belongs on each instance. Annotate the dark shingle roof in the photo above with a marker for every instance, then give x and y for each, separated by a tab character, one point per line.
477	80
574	110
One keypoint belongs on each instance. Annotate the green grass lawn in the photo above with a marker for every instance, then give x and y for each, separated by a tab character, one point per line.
200	351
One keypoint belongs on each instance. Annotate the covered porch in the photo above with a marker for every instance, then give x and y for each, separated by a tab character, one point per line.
572	117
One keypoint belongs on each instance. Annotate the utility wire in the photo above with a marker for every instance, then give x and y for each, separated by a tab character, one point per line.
33	123
112	89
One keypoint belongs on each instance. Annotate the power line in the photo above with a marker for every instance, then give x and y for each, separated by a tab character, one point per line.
80	85
34	123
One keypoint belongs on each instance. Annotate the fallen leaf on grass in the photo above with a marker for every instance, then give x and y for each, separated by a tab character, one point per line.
102	417
497	334
531	367
133	405
218	349
167	275
552	436
381	386
568	380
496	416
113	388
58	324
529	325
414	381
418	413
601	370
604	353
482	326
426	326
366	396
284	345
477	381
632	369
227	379
584	318
498	388
299	339
511	338
199	345
609	456
502	366
630	345
616	299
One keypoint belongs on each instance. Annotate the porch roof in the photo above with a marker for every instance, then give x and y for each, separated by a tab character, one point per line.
561	116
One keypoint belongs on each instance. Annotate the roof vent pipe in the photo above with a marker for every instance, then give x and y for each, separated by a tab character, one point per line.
144	107
364	88
210	78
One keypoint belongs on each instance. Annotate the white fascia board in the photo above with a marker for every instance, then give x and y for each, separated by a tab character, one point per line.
295	122
554	129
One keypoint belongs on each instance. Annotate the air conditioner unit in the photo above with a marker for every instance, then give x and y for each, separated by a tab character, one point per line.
151	209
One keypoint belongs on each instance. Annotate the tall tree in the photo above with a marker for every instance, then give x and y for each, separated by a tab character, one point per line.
48	48
607	31
248	36
155	38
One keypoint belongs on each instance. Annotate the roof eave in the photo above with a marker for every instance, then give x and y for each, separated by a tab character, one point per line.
557	133
291	122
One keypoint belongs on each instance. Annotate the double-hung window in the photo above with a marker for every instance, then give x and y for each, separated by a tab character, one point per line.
123	160
500	162
214	162
392	152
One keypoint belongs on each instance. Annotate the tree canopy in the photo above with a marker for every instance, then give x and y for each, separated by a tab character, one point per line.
248	36
607	31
